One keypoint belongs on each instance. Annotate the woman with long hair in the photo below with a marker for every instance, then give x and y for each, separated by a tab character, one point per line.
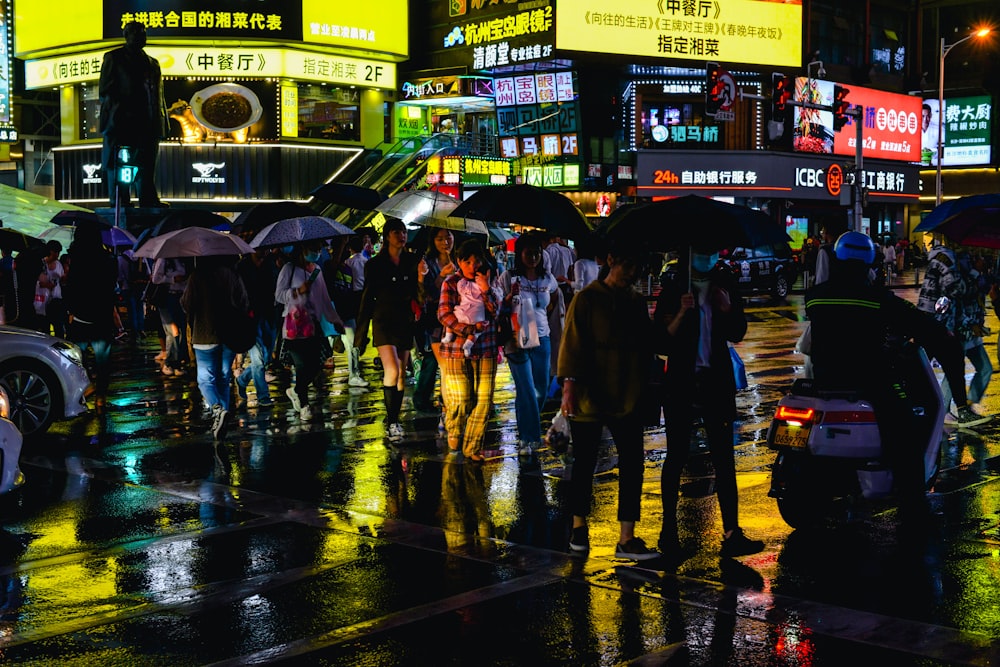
440	265
529	293
467	378
390	302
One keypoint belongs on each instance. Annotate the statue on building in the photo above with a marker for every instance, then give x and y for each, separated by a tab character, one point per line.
133	114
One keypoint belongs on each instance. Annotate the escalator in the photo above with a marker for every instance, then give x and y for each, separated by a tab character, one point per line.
400	166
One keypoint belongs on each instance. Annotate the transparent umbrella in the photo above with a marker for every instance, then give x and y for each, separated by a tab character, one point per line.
193	242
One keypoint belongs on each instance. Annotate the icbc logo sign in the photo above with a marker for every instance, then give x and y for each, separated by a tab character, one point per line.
834	179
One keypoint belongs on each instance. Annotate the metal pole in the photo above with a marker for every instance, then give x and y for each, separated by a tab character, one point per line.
940	133
859	171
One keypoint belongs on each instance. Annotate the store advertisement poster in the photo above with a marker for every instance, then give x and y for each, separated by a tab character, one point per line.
965	134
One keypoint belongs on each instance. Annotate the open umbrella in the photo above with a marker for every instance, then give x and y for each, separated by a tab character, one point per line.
192	217
15	241
416	206
193	242
113	237
296	230
973	221
259	216
349	195
704	224
526	205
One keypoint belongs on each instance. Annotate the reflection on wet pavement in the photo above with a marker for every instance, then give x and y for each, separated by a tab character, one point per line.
138	540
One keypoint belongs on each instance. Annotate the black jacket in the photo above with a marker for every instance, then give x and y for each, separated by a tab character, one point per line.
131	96
682	348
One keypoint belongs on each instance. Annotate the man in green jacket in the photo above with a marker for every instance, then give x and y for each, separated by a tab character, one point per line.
604	359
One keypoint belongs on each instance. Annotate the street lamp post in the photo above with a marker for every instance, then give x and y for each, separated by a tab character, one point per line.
945	50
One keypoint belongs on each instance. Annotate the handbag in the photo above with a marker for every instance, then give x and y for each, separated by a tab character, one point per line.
739	369
299	323
41	299
527	324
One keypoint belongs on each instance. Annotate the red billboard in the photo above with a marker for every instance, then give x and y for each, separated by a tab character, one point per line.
891	122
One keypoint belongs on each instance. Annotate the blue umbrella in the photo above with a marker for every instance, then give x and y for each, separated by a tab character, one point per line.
962	212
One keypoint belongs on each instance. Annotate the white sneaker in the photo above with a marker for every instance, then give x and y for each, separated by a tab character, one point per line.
395	431
979	409
358	381
294	398
306	413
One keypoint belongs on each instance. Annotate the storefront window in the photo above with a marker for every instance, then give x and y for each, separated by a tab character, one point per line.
327	112
90	111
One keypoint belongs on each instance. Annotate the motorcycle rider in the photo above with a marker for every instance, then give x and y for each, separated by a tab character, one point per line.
850	320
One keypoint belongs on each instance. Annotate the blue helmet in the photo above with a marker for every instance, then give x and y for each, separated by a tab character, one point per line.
855	246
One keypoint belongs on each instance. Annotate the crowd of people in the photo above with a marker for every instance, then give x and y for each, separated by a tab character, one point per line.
449	313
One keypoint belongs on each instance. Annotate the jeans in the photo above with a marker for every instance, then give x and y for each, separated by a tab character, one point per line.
980	380
260	356
353	358
102	363
530	371
215	374
171	313
136	316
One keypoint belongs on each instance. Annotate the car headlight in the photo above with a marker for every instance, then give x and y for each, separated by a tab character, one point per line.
70	351
4	404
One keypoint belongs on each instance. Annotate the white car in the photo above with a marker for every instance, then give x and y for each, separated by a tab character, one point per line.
44	378
10	449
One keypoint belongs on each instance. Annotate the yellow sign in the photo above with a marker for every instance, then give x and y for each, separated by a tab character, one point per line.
222	62
380	26
739	31
55	23
375	27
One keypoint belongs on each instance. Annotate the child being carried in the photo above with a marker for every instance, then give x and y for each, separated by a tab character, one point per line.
471	309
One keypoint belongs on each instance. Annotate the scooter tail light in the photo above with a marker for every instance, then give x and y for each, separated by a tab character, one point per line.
797	416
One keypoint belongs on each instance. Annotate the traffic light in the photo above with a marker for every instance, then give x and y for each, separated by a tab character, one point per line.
713	89
780	94
840	106
125	170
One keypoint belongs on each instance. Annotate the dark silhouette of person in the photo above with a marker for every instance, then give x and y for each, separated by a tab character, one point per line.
133	114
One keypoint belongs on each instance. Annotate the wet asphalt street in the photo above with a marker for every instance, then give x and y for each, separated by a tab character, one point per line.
138	541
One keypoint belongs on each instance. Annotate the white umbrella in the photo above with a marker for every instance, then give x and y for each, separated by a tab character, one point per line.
193	242
429	208
296	230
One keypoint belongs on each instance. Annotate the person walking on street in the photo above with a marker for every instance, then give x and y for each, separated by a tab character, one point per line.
695	321
360	247
467	381
90	304
604	361
970	325
48	293
259	280
440	265
301	289
173	273
394	284
212	299
528	292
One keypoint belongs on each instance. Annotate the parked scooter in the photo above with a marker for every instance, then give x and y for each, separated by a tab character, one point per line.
829	447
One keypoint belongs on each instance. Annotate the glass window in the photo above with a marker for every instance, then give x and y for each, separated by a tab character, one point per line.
327	112
90	111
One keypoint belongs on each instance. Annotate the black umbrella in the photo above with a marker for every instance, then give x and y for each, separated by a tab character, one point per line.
73	218
706	225
349	195
15	241
259	216
526	205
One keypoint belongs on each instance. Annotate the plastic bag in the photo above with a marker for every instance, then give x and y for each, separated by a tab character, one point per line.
558	437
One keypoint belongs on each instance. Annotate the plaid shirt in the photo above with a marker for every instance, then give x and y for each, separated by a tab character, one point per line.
486	345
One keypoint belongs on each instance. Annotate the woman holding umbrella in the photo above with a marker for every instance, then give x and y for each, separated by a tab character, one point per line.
303	292
390	302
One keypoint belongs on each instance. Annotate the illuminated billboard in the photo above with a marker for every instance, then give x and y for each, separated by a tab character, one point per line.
966	133
891	122
740	31
376	27
220	62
